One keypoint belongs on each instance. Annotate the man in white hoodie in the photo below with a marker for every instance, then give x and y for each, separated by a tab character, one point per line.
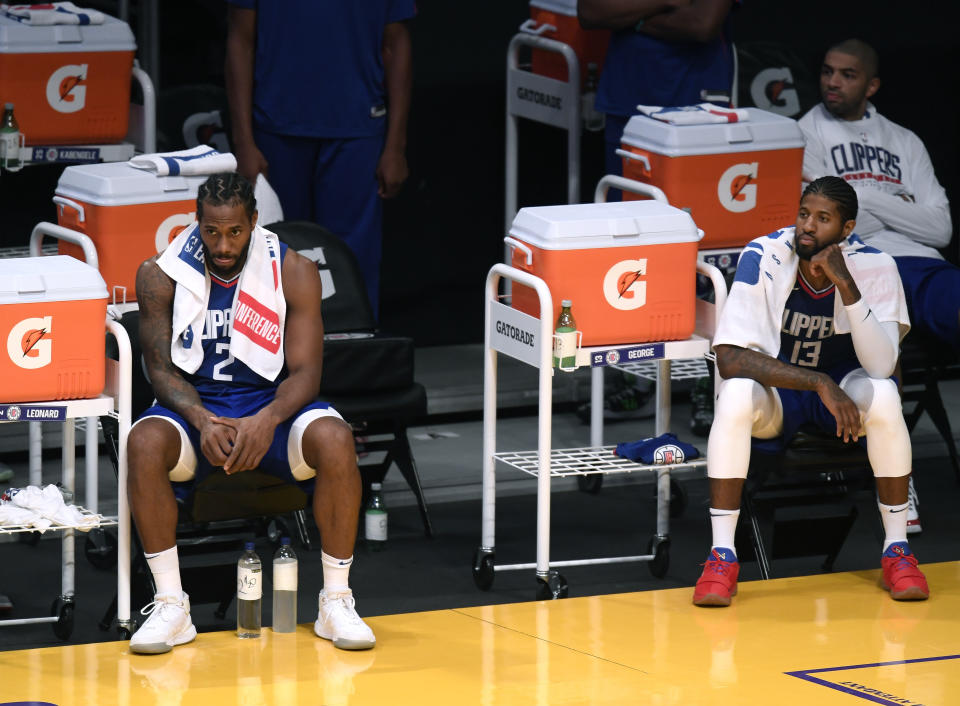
903	209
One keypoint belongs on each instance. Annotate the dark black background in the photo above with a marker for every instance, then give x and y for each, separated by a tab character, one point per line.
445	230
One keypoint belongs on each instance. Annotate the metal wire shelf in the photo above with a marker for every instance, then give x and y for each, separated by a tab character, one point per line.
685	369
584	461
104	522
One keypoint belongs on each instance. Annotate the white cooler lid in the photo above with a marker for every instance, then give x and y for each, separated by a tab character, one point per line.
19	38
119	184
54	278
604	225
561	7
763	131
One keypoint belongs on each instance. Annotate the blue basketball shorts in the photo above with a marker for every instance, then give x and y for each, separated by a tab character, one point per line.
284	459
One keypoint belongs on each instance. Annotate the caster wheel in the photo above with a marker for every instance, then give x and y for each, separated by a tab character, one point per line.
552	588
678	499
100	549
63	628
483	569
660	548
124	633
590	484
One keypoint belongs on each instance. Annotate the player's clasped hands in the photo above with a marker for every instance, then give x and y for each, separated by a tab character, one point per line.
237	444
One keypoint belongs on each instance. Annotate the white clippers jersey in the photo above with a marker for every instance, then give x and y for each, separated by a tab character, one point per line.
881	160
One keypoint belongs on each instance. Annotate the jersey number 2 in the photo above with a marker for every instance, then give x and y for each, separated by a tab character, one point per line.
218	373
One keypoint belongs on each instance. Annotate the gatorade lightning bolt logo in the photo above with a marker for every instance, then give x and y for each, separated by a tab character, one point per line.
66	88
29	345
623	287
773	89
737	188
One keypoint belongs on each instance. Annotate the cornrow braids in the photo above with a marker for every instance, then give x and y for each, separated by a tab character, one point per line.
225	189
838	191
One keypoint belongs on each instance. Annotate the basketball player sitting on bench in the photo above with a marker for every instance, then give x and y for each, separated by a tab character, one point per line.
232	338
822	355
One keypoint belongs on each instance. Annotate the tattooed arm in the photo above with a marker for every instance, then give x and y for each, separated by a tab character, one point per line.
155	292
737	362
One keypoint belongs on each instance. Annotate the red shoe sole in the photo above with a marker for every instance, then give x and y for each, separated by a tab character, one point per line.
714	599
913	593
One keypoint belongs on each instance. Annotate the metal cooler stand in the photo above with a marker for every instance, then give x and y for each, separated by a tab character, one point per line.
114	401
528	339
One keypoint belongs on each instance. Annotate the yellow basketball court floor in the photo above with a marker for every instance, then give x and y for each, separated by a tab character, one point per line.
826	639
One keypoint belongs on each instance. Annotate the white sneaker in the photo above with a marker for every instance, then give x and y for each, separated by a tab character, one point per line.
913	511
337	620
169	625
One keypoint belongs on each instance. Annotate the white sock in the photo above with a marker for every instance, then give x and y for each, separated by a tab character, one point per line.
724	524
165	567
894	523
336	573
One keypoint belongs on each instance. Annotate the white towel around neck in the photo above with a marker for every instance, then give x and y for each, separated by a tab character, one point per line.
766	273
259	307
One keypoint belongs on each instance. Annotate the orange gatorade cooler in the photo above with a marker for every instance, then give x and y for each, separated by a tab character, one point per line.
52	314
70	83
629	268
590	45
739	180
130	215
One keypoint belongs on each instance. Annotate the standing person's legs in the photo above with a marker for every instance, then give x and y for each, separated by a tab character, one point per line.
612	133
292	163
346	202
745	409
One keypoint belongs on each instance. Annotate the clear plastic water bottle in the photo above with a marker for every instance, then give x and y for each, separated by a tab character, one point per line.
249	592
375	519
284	588
593	119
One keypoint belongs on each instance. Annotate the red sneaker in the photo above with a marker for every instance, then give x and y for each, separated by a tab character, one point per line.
901	575
718	582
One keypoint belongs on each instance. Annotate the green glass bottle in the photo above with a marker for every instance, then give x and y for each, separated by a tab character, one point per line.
9	140
565	340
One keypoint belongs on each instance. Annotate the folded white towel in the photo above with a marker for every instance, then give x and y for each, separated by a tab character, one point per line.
48	507
197	161
53	13
259	308
766	273
700	114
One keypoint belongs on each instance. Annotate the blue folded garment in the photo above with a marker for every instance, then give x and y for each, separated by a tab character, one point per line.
659	450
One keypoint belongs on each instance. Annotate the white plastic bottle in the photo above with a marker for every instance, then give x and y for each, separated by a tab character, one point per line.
249	592
375	519
284	588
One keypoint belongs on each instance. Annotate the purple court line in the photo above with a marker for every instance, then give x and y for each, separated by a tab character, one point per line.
806	674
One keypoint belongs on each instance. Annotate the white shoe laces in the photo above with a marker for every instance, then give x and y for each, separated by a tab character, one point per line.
343	604
158	604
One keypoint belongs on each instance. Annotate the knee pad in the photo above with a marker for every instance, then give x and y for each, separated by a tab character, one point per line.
745	401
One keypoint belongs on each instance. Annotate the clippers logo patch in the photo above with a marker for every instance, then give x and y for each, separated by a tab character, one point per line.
29	345
737	188
66	88
668	454
623	286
